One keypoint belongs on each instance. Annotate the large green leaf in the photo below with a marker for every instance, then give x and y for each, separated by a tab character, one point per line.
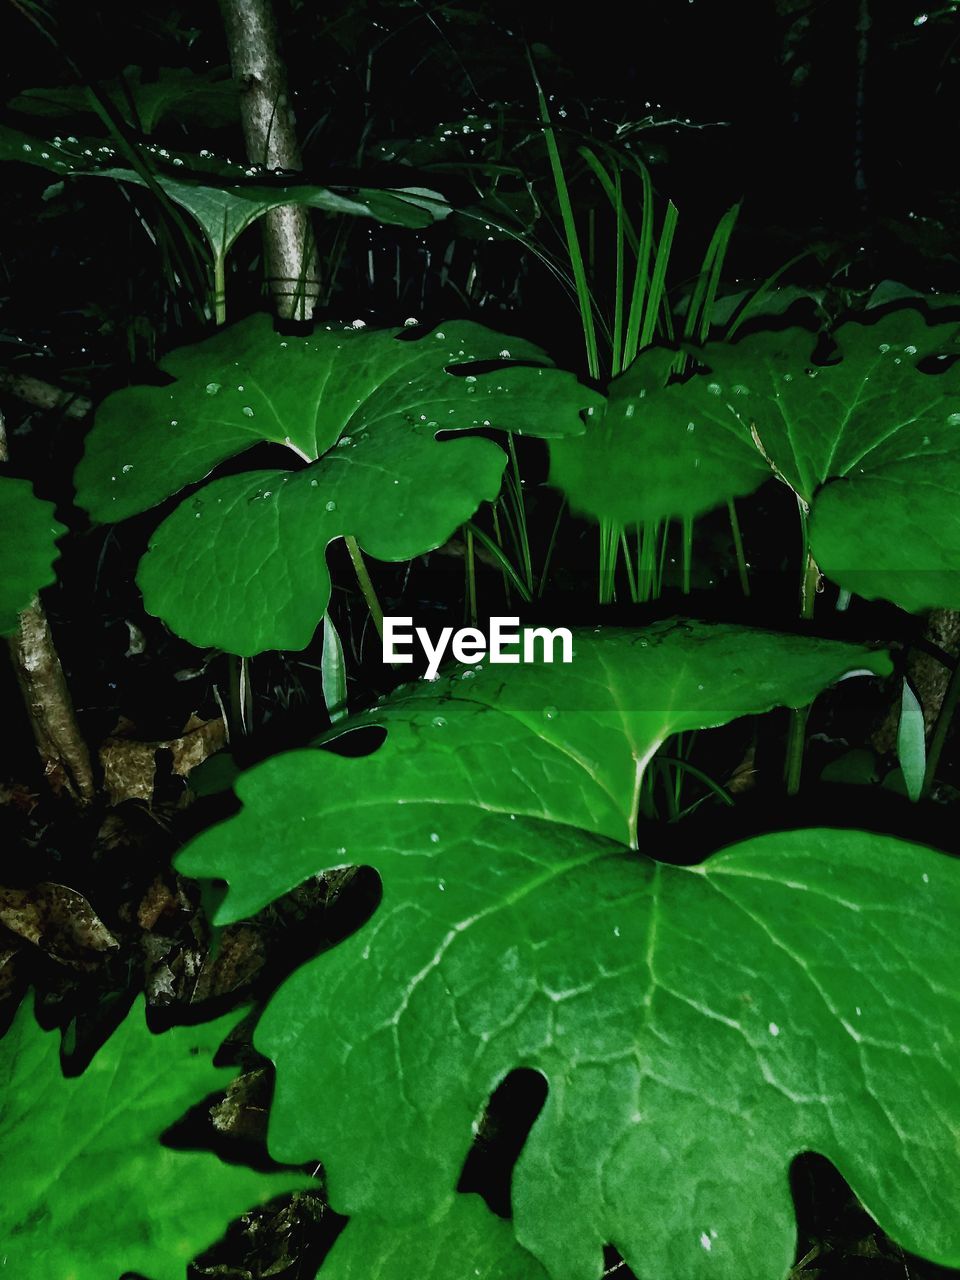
224	211
223	198
577	738
89	1191
241	563
27	548
870	442
697	1027
466	1241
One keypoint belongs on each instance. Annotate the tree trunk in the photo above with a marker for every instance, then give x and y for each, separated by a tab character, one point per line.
66	758
269	129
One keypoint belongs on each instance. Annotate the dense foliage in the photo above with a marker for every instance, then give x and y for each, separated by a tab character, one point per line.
638	960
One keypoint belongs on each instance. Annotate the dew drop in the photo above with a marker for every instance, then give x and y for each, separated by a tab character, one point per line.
247	411
438	722
434	838
127	468
213	388
550	713
713	388
331	505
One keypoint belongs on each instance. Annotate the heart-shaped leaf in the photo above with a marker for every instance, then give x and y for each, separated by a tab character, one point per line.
89	1191
241	563
467	1240
871	443
697	1027
27	550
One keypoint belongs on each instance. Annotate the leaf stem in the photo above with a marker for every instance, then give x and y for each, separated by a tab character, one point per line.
219	289
796	740
738	547
365	582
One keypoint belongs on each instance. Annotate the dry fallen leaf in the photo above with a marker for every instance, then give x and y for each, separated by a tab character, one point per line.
57	919
129	767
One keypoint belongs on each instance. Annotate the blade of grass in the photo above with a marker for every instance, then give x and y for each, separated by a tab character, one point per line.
501	558
697	322
658	281
574	249
641	279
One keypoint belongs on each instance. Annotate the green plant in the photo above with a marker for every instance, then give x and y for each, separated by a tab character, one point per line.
697	1026
240	564
90	1191
855	440
26	560
639	311
218	194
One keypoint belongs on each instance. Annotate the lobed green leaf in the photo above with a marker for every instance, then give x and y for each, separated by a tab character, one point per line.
89	1191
